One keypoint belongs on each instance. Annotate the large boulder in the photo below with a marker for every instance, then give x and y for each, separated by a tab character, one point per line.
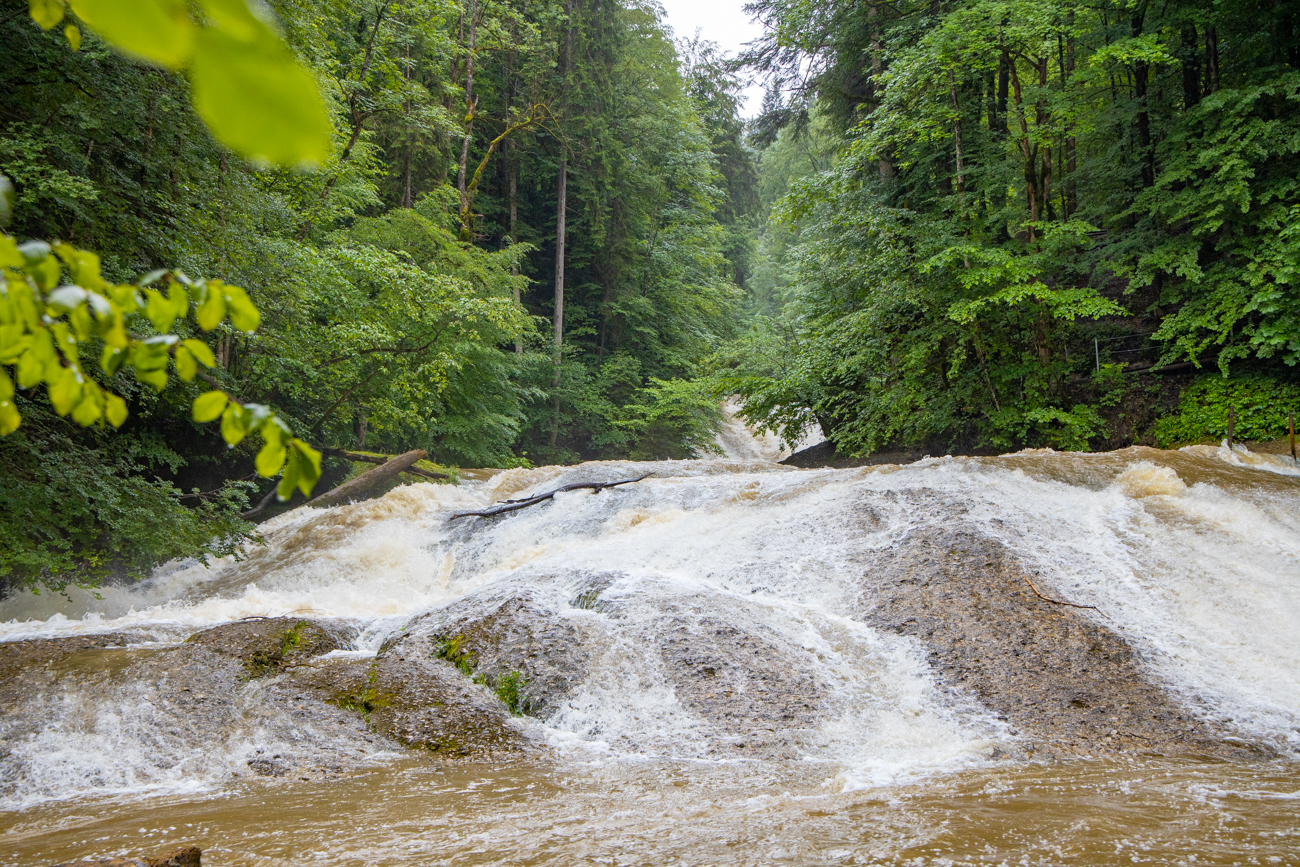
1066	683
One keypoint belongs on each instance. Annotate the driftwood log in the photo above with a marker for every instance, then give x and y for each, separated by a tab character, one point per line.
352	487
381	459
515	505
356	485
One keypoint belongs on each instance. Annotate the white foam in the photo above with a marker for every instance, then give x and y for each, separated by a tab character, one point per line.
1201	577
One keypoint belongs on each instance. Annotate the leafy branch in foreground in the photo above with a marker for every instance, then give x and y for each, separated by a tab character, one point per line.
245	82
46	324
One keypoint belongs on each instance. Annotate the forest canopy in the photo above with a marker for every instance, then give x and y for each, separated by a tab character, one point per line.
994	219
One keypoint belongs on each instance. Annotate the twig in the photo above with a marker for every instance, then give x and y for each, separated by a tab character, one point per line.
515	505
1050	599
266	501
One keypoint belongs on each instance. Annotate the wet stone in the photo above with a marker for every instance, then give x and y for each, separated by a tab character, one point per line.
521	637
414	695
266	644
739	680
1068	685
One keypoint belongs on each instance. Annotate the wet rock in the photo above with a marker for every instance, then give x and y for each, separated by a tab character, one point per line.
266	644
737	678
192	706
185	856
413	694
1067	684
521	639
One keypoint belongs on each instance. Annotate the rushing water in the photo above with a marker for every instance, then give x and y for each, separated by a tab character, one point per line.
1192	556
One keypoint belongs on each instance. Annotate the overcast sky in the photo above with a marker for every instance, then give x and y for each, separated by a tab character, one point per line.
720	21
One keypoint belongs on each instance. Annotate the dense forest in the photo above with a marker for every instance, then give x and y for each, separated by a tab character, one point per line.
544	233
997	214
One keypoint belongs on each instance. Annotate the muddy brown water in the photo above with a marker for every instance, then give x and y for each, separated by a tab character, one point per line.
1079	813
733	663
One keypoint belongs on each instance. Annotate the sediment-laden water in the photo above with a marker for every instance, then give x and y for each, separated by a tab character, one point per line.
730	662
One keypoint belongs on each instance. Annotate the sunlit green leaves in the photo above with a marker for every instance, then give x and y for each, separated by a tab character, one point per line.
302	470
46	13
247	85
208	407
43	326
157	30
258	99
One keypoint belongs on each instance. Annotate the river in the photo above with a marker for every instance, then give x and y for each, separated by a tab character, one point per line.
838	734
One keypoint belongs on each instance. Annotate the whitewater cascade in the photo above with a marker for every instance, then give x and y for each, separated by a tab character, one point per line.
734	565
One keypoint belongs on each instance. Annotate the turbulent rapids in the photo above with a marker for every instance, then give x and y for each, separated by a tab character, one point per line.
729	662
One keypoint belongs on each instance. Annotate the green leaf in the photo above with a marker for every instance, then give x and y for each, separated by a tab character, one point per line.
155	377
47	273
160	310
213	308
73	35
292	473
6	386
112	359
209	405
90	408
30	369
46	13
180	300
258	100
186	365
157	30
9	418
65	298
243	314
234	425
308	465
115	410
201	352
270	459
64	391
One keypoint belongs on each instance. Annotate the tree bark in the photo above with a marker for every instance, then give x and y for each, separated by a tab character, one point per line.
465	222
351	489
877	67
1141	76
562	183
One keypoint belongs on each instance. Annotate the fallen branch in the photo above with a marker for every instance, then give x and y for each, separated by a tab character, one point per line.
266	501
347	491
381	459
515	505
1050	599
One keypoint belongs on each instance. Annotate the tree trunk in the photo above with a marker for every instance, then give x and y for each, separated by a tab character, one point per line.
465	220
1191	67
1141	76
558	321
353	488
956	131
562	183
877	67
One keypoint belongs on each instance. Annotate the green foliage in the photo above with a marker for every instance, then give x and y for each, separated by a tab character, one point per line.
247	85
45	323
77	506
1262	405
1012	180
510	690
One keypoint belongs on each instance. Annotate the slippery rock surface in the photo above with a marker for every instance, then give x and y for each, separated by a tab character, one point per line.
265	644
185	856
525	635
154	713
1067	684
560	636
